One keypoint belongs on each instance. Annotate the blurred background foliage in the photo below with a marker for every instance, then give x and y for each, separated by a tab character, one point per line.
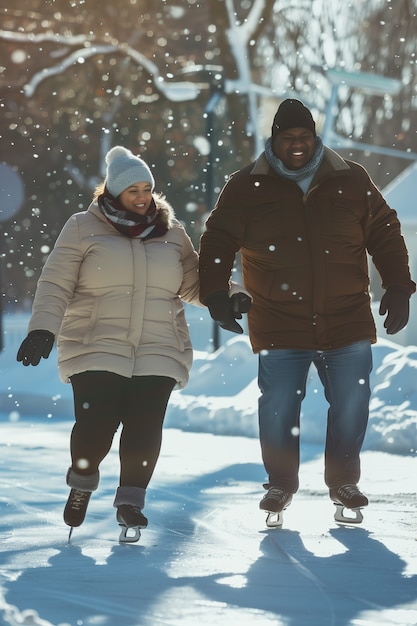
78	76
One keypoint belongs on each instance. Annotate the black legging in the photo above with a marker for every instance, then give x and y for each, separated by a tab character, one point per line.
102	401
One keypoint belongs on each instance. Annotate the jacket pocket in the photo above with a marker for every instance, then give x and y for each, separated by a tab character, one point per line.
107	320
179	324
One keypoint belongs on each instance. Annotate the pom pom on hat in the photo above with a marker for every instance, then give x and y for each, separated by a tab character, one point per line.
125	169
292	114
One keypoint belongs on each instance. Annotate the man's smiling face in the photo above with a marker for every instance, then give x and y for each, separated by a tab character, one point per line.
294	146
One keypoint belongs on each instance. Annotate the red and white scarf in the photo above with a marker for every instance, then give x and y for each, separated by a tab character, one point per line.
129	223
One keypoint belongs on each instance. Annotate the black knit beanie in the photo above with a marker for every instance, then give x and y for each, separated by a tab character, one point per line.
292	114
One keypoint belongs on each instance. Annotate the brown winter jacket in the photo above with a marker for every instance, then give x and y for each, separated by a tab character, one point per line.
304	256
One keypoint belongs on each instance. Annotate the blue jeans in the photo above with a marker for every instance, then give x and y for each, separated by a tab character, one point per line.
282	380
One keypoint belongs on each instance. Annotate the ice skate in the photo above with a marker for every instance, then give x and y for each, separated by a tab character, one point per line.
76	508
131	520
348	498
274	502
79	497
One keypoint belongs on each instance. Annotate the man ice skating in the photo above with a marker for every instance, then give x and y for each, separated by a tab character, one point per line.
304	219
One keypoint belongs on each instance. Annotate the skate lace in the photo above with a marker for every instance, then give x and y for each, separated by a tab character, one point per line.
277	494
78	498
348	491
131	515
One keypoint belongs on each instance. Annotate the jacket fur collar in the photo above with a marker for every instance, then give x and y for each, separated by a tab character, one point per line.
165	209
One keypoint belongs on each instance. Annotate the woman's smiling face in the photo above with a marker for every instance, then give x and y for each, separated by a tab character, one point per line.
294	146
137	198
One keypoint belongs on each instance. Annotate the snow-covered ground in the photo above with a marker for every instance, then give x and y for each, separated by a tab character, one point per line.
207	557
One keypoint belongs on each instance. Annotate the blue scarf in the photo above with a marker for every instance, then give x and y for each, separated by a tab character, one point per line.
296	175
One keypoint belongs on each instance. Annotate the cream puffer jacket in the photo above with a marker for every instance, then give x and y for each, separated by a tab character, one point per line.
115	303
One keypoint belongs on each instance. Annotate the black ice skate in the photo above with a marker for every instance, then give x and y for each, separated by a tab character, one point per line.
76	508
81	488
348	497
131	520
274	502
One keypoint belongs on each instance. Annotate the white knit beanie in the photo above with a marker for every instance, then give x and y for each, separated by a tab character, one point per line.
125	169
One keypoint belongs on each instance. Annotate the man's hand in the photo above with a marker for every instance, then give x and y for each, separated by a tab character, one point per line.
225	311
395	302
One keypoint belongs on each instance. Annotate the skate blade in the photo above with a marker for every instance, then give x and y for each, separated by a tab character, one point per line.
342	518
274	520
129	534
70	534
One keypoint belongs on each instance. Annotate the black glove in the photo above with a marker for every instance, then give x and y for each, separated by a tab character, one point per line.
395	301
241	303
225	310
37	344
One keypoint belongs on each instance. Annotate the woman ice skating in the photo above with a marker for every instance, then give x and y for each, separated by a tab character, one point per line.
111	293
